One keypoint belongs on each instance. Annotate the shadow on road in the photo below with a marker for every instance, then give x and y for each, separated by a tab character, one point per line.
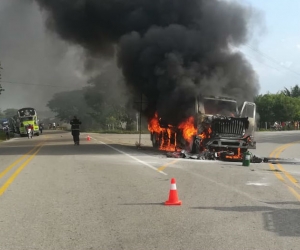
282	221
141	204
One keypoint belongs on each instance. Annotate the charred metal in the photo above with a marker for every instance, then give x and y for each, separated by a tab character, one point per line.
217	130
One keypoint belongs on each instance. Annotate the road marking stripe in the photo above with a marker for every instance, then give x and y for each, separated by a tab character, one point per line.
16	173
294	192
288	175
278	175
130	156
277	153
274	152
167	164
5	171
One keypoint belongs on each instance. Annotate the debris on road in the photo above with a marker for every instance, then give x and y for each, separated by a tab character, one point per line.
207	155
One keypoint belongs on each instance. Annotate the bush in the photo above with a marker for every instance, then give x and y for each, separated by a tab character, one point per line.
3	137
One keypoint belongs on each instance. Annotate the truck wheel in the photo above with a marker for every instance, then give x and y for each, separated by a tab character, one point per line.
154	140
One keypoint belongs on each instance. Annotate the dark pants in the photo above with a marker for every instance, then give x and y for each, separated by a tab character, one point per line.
75	134
7	135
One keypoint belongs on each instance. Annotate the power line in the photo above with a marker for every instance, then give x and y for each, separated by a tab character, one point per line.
273	60
268	66
44	85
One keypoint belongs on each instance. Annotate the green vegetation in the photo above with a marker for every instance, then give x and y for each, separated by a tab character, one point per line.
101	106
3	137
281	107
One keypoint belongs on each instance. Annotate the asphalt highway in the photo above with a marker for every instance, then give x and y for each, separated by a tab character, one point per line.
108	194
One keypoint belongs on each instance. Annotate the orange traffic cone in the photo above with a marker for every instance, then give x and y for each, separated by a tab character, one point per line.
173	196
88	138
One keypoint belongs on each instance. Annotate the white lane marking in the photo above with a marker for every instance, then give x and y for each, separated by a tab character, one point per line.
130	156
229	187
257	184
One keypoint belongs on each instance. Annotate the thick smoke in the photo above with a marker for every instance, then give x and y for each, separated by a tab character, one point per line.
169	50
36	64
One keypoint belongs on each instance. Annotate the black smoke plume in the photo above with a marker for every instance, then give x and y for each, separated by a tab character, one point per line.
169	50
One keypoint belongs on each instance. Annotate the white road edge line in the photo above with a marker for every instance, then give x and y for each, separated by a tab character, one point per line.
132	157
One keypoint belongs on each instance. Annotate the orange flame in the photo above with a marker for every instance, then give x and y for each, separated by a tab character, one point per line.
166	144
153	125
206	133
238	156
188	128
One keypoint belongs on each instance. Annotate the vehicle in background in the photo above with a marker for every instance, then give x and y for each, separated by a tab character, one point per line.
28	116
4	122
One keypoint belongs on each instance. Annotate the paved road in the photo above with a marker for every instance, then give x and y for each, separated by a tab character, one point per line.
106	194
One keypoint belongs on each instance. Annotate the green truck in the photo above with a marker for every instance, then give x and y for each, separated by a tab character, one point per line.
28	116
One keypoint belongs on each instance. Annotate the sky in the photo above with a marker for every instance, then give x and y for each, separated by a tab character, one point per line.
31	55
36	64
275	56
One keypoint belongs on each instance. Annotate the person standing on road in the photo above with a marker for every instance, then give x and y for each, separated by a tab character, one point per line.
41	128
30	131
75	123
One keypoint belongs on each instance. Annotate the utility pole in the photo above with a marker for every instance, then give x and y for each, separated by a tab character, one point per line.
1	89
141	109
139	119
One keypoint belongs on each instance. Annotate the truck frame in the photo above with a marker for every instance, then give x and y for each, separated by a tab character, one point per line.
220	128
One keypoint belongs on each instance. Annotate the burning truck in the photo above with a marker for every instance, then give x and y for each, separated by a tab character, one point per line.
216	130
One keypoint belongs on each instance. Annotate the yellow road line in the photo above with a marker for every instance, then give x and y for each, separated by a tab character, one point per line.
16	173
277	153
278	175
279	149
288	175
167	164
5	171
294	192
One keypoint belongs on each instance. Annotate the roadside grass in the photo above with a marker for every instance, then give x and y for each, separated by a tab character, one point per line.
3	137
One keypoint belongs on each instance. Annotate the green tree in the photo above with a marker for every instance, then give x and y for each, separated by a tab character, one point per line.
10	112
2	115
277	107
68	104
292	92
265	109
107	98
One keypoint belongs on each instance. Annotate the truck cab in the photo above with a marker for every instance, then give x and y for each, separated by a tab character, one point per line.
228	107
